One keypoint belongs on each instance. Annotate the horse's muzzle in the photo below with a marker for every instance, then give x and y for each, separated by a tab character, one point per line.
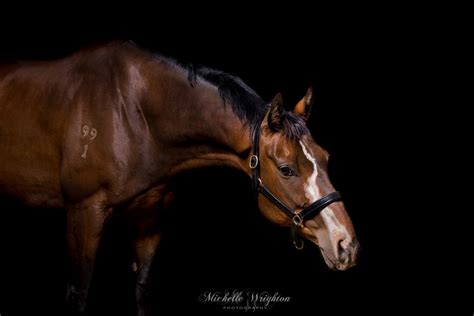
347	255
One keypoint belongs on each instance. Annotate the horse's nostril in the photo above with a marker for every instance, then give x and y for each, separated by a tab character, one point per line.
342	248
344	243
347	251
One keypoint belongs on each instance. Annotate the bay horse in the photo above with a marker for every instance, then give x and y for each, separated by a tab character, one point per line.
108	127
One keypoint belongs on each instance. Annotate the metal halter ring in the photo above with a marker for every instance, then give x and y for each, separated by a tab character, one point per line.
253	163
299	244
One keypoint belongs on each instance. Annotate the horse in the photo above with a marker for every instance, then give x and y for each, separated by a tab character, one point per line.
107	128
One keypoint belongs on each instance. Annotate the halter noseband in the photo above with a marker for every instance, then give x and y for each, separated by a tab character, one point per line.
297	219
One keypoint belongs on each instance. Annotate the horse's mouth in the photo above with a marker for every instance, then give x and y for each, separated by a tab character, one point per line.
332	263
336	264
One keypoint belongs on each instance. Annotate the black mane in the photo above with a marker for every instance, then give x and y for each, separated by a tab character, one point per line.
244	101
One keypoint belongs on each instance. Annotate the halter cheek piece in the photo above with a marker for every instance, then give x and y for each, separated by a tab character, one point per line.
297	219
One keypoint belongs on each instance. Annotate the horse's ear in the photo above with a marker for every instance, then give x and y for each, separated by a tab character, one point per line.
275	116
303	107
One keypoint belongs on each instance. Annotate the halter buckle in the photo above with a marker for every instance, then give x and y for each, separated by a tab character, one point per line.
253	163
297	220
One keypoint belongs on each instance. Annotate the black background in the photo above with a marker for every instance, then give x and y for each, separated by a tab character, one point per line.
367	71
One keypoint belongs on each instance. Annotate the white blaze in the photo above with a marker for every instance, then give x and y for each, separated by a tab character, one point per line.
311	191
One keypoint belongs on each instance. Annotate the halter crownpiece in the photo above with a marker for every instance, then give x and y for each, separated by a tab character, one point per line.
297	218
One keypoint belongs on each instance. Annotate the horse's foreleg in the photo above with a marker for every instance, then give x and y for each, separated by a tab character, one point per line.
85	221
147	240
145	248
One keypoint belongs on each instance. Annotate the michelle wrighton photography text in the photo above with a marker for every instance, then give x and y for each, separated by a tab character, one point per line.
243	299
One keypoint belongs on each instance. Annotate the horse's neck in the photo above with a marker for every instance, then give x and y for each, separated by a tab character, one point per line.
212	134
200	131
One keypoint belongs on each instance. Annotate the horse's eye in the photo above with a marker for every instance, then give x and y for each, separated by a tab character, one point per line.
286	171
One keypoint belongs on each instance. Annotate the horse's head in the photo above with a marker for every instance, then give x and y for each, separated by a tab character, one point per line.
293	168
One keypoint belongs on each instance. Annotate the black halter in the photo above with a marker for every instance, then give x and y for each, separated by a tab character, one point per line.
297	219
